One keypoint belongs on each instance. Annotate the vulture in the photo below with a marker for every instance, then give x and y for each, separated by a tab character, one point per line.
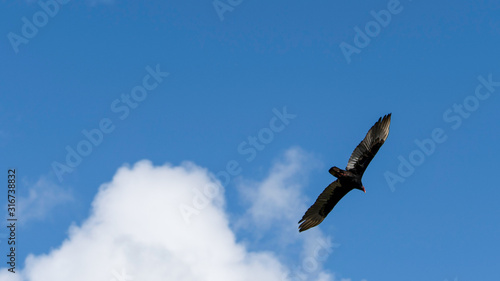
350	178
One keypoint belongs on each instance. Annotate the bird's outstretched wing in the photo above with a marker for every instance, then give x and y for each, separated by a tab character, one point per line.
323	205
366	150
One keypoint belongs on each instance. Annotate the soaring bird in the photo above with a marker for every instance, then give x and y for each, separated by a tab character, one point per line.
350	178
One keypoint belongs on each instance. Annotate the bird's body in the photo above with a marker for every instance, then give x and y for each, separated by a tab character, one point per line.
350	178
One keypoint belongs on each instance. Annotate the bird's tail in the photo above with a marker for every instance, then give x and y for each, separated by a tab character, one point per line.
336	172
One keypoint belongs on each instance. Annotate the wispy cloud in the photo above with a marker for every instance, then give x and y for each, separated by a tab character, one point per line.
278	198
275	205
43	196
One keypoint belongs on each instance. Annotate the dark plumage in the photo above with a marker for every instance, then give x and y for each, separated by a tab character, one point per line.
350	178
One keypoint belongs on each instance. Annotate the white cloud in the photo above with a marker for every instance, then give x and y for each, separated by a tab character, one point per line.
43	196
278	198
136	232
275	206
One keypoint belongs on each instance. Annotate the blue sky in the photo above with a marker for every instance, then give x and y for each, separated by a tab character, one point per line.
231	72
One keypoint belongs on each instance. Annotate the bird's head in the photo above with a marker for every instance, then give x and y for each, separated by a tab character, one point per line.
360	187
